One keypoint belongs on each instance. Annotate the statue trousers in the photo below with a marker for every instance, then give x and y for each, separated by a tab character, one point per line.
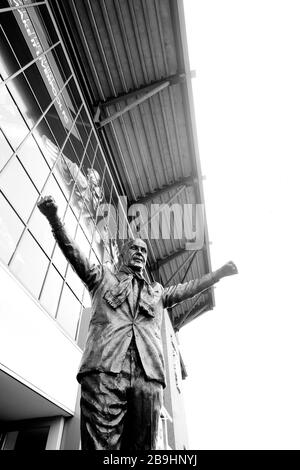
120	411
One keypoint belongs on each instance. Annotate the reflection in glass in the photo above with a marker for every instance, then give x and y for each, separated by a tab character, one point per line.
83	126
81	241
10	230
30	264
94	259
69	312
14	53
65	170
52	189
43	24
39	91
87	193
70	222
32	158
51	291
86	299
73	95
61	62
52	125
40	228
11	121
59	260
5	150
90	156
74	282
25	99
18	188
74	149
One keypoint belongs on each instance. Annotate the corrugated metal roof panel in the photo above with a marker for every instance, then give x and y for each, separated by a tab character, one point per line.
127	48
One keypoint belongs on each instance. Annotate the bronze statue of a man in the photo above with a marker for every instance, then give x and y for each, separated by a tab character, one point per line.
122	368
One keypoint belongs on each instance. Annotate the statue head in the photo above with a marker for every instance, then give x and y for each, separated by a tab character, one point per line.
93	176
134	254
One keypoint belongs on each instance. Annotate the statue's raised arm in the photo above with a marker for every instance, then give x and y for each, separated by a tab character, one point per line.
88	273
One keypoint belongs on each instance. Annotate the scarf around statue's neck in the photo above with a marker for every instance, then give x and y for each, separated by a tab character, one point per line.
120	292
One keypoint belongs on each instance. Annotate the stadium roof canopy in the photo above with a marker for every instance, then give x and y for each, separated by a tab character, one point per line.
131	60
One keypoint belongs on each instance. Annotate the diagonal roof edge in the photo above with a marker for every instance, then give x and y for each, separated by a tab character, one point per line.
182	47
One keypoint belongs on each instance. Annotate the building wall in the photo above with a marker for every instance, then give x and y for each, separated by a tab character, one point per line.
173	396
49	146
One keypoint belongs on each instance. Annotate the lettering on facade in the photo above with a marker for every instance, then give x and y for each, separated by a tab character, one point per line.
42	61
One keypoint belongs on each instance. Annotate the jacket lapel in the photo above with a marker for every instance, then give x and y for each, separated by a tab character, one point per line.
130	302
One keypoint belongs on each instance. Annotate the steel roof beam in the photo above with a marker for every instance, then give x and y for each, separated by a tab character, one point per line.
200	306
189	267
171	80
195	313
146	92
187	181
180	268
160	262
132	105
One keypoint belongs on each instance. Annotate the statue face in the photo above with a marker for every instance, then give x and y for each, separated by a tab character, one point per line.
135	255
93	176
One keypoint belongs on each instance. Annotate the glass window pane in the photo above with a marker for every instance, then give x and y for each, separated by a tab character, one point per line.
41	20
91	156
23	95
6	150
51	291
39	93
83	126
14	52
24	33
33	160
10	230
95	259
52	189
52	126
65	170
18	188
41	229
87	225
61	63
86	299
77	147
69	312
47	142
32	439
11	121
59	261
81	241
72	93
30	264
75	282
70	222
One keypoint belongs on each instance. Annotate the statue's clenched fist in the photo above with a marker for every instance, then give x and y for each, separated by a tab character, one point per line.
227	270
48	206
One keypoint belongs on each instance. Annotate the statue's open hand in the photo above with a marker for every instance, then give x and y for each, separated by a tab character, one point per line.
48	206
228	269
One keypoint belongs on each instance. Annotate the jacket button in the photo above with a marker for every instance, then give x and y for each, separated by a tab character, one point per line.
128	334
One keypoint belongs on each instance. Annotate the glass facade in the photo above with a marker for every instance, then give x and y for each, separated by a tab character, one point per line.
48	147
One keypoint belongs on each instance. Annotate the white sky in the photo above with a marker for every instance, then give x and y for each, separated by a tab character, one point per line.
242	358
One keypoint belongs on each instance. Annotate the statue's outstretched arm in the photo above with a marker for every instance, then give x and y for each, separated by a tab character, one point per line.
89	274
175	294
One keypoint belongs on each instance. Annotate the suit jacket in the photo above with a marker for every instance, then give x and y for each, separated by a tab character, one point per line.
111	330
